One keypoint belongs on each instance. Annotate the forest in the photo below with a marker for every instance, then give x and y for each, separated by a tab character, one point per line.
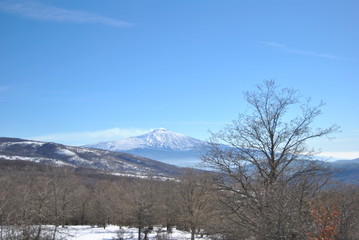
32	197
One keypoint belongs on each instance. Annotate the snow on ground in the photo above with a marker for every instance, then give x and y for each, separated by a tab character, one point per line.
111	233
65	152
36	159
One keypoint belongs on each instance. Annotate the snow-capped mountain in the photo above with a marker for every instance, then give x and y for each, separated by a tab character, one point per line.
160	144
160	138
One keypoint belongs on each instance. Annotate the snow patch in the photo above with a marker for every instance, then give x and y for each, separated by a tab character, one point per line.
35	159
65	152
35	144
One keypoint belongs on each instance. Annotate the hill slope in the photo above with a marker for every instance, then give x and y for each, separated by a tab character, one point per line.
119	163
61	155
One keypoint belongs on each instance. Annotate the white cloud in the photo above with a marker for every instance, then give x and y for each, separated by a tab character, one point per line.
43	12
301	52
346	140
340	155
80	138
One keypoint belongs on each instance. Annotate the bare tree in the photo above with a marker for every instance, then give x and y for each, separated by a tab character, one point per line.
265	157
346	200
40	203
194	201
104	203
143	206
6	197
63	188
167	204
83	197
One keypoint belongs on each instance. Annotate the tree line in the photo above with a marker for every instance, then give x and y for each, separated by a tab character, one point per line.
29	201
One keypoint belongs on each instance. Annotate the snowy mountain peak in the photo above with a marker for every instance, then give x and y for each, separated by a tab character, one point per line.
160	130
159	138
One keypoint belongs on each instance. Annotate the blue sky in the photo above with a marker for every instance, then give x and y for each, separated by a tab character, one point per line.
78	72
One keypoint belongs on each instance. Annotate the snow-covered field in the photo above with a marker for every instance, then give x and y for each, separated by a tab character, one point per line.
113	232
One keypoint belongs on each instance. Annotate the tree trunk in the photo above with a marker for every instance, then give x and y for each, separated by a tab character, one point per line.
54	235
169	228
38	232
139	232
193	231
1	226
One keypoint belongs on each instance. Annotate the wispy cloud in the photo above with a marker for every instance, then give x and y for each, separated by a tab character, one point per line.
301	52
173	123
44	12
79	138
199	123
340	155
3	88
343	140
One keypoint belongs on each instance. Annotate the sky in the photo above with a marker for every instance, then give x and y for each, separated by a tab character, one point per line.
79	72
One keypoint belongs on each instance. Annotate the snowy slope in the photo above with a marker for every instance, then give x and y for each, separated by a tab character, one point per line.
160	139
160	144
117	163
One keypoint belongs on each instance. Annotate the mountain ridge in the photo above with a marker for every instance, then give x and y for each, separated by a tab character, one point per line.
160	144
70	156
127	164
159	138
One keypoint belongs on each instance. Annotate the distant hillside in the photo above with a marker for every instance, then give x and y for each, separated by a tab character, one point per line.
97	161
88	175
61	155
347	161
346	170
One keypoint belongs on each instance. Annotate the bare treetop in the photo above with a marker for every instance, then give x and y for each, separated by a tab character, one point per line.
266	137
